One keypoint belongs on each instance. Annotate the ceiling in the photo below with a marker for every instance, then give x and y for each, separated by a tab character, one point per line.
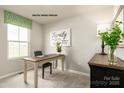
63	11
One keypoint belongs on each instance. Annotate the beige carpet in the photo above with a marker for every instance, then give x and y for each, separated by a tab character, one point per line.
58	79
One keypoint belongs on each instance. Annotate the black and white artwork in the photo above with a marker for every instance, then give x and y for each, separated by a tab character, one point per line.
62	36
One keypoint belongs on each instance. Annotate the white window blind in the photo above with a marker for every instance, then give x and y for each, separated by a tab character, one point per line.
18	41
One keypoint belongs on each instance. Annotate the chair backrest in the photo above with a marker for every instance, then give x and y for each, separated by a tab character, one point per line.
38	53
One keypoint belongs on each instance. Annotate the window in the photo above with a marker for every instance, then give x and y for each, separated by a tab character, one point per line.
18	41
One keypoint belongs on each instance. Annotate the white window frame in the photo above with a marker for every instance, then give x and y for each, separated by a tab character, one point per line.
28	42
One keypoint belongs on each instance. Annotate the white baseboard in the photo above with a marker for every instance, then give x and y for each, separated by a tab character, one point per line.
30	68
13	73
78	72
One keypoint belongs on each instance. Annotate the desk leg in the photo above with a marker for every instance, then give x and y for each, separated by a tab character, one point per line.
25	72
35	75
62	64
56	63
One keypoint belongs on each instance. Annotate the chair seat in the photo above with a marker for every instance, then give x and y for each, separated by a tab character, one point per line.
39	53
47	64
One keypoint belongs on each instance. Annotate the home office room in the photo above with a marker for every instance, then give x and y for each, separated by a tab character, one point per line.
61	46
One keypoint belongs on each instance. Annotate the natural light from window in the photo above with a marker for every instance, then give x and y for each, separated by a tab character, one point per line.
18	41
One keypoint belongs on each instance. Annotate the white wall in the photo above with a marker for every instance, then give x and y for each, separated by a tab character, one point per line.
10	66
85	43
36	37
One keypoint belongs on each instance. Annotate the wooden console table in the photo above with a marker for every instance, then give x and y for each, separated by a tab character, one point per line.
104	75
35	61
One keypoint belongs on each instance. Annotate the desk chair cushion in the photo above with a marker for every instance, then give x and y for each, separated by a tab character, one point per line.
44	66
47	64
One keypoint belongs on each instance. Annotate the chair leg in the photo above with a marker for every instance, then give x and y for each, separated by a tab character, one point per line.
43	72
50	69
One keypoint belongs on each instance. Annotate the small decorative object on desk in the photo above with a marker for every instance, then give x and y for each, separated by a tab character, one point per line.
58	47
112	38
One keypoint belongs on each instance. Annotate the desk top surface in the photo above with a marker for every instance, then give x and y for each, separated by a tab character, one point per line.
44	57
102	61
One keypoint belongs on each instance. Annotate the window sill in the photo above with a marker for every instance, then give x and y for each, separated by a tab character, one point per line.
16	58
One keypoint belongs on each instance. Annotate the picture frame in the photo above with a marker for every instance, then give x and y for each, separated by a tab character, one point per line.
63	36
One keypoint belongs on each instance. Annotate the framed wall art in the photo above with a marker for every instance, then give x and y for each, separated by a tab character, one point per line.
63	36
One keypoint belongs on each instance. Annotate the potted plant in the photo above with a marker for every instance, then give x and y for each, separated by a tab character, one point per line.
59	47
112	38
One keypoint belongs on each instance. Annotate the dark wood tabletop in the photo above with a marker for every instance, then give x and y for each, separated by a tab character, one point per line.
102	61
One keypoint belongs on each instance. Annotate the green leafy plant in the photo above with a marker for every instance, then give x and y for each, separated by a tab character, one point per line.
58	47
112	38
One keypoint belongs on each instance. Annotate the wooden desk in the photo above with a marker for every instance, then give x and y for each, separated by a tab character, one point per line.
35	61
102	74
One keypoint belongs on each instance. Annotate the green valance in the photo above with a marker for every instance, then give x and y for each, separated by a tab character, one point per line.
12	18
